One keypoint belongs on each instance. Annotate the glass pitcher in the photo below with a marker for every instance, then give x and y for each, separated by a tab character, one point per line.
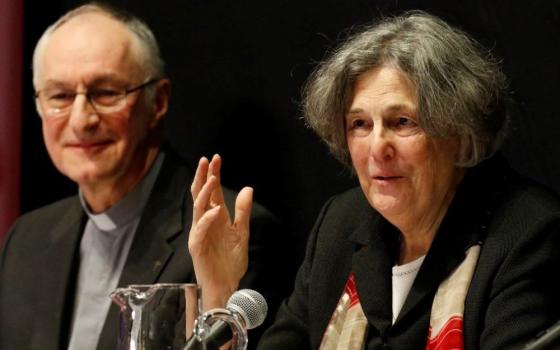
166	316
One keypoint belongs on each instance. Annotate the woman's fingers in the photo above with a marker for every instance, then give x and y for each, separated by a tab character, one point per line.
215	166
243	206
199	234
214	169
202	201
200	177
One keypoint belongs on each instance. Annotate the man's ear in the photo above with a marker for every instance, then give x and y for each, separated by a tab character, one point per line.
161	100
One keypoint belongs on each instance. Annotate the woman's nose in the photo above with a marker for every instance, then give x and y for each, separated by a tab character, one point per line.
382	146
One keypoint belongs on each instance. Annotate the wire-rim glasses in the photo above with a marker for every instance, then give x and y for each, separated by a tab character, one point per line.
57	102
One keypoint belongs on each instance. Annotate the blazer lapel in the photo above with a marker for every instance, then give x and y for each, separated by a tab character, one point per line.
371	264
163	218
150	249
57	284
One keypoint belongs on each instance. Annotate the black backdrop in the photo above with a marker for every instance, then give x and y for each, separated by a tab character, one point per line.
237	69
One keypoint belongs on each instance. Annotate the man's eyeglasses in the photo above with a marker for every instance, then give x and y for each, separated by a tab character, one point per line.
57	102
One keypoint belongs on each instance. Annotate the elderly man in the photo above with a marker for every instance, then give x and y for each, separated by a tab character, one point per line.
102	95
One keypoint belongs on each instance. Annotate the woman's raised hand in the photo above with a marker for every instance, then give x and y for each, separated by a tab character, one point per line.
218	245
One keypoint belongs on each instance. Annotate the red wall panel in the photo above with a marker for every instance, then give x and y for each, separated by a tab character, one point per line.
11	13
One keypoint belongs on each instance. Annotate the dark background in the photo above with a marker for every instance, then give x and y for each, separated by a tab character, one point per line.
237	69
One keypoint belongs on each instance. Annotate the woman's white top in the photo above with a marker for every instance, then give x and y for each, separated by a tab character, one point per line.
403	277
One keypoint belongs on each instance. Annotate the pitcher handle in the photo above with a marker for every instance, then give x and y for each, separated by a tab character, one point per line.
238	330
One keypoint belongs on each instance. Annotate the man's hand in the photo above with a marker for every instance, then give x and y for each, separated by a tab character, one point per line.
218	246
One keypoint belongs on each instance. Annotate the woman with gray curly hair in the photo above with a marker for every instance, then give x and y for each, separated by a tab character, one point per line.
459	87
442	246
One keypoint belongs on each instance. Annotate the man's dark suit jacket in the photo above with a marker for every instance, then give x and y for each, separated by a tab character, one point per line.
513	294
39	261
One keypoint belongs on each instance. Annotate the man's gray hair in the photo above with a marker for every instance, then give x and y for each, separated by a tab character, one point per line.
459	85
149	54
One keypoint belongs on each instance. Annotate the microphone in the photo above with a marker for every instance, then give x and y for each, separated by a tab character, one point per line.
251	309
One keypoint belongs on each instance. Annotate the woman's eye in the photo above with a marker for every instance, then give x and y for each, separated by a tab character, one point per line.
405	126
402	121
359	124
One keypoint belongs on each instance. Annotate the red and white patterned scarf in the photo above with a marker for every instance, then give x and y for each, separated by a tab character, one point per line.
348	324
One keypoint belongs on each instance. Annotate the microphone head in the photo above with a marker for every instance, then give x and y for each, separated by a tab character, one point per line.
250	305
